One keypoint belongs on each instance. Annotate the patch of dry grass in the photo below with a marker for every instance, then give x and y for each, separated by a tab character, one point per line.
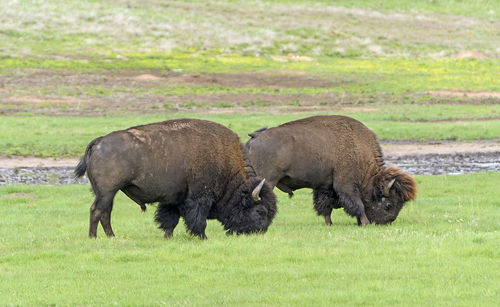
249	27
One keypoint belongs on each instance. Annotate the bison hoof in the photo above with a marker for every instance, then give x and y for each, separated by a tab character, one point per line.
168	234
365	221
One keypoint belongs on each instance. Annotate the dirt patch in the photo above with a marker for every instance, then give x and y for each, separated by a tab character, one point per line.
459	120
40	92
253	80
279	79
27	195
470	54
393	150
441	147
43	100
147	78
148	104
465	93
88	94
18	161
292	58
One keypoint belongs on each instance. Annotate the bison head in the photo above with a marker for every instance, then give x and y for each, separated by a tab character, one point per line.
251	208
393	188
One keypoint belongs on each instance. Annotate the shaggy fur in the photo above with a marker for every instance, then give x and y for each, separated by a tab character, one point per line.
339	158
324	201
195	169
242	215
384	210
404	188
167	216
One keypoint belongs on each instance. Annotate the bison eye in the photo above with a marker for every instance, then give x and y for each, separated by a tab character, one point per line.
388	206
261	210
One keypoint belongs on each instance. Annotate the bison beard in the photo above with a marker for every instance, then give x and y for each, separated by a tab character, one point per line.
240	215
194	169
244	221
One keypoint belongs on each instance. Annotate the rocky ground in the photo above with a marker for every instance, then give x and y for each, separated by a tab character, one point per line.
431	158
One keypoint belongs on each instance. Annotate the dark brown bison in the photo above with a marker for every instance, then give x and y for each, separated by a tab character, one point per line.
194	168
340	159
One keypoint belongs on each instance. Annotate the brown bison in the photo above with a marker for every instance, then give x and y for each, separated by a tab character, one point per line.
340	159
194	168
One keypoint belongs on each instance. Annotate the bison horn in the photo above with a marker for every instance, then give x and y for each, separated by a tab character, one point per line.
256	191
388	188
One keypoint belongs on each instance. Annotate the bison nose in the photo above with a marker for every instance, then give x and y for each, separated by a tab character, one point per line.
390	219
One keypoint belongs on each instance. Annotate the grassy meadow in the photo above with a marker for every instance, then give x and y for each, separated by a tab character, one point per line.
74	70
442	250
45	136
253	56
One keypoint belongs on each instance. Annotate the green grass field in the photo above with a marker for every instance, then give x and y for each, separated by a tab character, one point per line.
68	136
74	70
443	250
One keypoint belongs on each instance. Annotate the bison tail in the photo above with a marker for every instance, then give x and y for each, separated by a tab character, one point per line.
81	167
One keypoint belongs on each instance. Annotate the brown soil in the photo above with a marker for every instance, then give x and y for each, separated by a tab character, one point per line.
133	92
276	80
470	54
441	147
21	161
269	79
465	93
458	120
28	195
394	150
55	94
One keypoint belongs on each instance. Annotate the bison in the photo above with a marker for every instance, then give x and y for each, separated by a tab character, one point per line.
340	159
193	168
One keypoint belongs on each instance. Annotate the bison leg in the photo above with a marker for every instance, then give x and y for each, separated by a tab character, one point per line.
168	217
328	220
101	211
106	223
195	215
322	206
357	209
95	216
354	207
324	202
